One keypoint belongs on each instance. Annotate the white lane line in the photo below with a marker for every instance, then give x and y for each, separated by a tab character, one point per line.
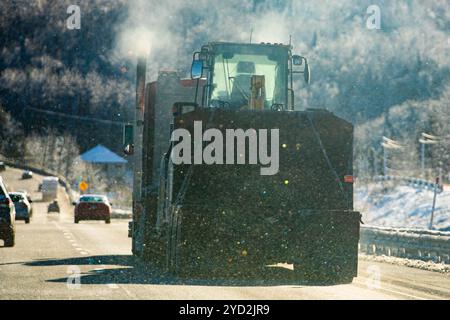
109	285
391	291
84	253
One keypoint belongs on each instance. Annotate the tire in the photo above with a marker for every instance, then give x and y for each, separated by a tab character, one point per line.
27	220
108	221
10	240
76	220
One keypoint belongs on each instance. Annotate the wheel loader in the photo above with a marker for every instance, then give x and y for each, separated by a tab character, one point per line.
278	191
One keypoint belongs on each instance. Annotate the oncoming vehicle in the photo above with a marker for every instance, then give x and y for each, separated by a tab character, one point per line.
49	188
92	207
7	216
2	166
22	206
27	174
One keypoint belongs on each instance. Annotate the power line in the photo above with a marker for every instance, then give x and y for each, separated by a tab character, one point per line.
64	115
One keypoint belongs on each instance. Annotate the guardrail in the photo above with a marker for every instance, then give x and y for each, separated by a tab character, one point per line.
414	182
418	244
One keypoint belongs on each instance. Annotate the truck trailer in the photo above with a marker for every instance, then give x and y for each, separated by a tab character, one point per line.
209	208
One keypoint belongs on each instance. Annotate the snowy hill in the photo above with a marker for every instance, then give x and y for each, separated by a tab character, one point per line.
402	206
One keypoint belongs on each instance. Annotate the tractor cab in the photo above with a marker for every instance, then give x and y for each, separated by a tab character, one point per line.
248	76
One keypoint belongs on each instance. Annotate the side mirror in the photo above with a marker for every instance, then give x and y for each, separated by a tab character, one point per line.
298	61
197	69
129	149
128	144
307	73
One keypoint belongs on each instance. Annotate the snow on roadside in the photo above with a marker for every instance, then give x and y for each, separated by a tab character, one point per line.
401	206
424	265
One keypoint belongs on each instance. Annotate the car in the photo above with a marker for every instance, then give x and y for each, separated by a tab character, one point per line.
7	216
2	166
22	206
49	188
53	206
26	194
27	174
92	207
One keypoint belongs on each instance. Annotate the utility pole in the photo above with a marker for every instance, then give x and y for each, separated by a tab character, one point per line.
436	186
426	139
388	144
422	159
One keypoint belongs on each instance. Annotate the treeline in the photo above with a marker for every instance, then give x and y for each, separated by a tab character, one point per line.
391	82
51	150
57	152
45	66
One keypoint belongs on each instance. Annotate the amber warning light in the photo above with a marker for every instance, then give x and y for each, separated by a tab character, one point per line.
348	179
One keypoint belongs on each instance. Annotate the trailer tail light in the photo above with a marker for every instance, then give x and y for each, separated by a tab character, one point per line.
349	179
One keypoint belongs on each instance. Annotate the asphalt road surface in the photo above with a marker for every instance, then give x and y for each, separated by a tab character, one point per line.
57	259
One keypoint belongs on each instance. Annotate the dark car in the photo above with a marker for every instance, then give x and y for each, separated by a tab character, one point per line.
92	207
2	166
27	174
53	207
22	206
7	216
25	192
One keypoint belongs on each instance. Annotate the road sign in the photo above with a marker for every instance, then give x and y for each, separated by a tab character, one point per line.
83	186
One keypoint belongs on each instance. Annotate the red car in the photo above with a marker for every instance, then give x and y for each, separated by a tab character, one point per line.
92	207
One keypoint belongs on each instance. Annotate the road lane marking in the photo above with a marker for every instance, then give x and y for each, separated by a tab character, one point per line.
391	291
101	269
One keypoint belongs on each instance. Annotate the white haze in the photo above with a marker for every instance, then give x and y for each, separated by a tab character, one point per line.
350	63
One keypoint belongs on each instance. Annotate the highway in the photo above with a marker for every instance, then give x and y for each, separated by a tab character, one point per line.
51	251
